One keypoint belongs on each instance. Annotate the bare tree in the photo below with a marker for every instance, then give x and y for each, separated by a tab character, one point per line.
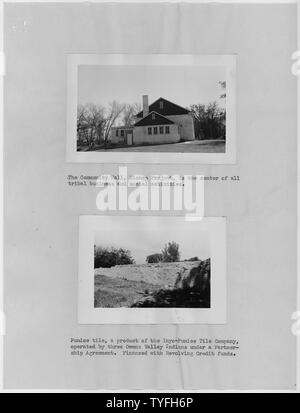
209	121
94	122
81	113
96	117
113	112
129	113
90	123
82	122
198	112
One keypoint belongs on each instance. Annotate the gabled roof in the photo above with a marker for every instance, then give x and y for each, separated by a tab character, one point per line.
154	118
165	107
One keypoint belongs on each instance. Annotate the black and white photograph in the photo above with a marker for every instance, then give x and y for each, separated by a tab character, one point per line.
150	199
135	108
138	263
131	278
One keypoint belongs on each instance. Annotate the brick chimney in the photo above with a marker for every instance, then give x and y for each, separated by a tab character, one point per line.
145	105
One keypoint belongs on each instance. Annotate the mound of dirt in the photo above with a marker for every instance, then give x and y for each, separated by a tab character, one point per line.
161	274
191	290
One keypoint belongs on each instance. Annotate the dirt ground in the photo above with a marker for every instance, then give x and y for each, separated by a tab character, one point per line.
117	292
122	285
204	146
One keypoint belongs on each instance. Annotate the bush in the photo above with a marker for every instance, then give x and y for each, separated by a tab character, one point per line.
209	121
170	253
154	258
109	257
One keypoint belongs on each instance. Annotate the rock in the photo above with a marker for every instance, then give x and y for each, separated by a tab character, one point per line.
197	279
148	301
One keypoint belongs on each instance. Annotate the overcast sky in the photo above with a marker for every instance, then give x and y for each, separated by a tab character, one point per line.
150	236
183	85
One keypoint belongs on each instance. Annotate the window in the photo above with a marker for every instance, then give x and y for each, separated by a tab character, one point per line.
167	129
149	131
155	130
153	116
117	132
122	132
161	130
161	104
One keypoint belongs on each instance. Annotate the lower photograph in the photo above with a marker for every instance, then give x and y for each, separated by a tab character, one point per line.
151	269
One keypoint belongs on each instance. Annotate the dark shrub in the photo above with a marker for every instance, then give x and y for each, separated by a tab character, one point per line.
154	258
170	253
109	257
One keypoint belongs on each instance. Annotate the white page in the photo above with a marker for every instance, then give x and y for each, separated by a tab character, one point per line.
41	209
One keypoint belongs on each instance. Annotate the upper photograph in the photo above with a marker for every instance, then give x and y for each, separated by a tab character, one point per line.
151	109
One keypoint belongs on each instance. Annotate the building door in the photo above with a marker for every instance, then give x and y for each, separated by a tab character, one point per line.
129	139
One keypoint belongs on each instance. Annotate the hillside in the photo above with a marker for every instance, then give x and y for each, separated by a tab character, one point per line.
176	284
158	274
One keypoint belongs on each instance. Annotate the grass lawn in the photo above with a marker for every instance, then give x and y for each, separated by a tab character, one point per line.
118	292
204	146
207	146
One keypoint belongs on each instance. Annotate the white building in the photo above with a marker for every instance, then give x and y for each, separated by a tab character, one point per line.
161	122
